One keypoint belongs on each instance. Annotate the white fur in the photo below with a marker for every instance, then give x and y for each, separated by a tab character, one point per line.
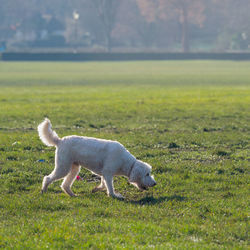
103	157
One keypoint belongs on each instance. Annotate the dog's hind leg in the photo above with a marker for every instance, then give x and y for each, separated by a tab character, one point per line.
100	187
60	171
69	179
54	176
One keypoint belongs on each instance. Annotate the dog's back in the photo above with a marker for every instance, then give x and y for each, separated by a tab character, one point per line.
94	153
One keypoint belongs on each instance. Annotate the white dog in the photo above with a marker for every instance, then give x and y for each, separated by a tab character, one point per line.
103	157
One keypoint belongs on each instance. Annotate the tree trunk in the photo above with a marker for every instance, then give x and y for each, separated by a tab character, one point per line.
185	31
109	41
107	13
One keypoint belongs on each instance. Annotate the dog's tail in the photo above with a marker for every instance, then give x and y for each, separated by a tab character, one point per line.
46	134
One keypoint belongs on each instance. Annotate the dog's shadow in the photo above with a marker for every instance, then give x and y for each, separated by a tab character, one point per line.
150	200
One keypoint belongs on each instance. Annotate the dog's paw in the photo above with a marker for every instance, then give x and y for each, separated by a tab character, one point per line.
43	191
96	189
117	196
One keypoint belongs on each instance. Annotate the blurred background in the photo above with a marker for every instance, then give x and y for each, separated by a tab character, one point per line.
125	25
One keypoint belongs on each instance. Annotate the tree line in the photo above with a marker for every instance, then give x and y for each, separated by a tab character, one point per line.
169	25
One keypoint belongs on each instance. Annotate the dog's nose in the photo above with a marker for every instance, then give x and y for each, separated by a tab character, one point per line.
154	184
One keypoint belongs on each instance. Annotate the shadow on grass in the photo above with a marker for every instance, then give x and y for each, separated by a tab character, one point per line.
150	200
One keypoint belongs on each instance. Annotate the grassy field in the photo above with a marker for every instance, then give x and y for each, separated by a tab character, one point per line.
188	119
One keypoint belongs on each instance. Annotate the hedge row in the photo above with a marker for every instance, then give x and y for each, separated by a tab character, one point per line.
11	56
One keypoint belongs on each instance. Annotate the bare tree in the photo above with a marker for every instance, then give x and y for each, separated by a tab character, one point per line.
107	10
187	11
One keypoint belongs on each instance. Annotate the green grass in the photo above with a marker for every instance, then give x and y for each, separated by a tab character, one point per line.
188	119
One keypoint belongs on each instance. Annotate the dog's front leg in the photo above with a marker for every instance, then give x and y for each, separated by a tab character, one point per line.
110	188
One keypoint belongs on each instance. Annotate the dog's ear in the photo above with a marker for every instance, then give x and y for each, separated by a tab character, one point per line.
135	173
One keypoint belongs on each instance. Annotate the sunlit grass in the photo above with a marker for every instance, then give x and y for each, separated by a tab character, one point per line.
189	120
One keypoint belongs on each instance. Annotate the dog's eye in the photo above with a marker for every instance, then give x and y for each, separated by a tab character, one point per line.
147	174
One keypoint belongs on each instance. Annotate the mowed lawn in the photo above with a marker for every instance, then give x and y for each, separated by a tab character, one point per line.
189	119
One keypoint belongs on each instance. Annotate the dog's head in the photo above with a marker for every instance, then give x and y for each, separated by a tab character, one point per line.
140	176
